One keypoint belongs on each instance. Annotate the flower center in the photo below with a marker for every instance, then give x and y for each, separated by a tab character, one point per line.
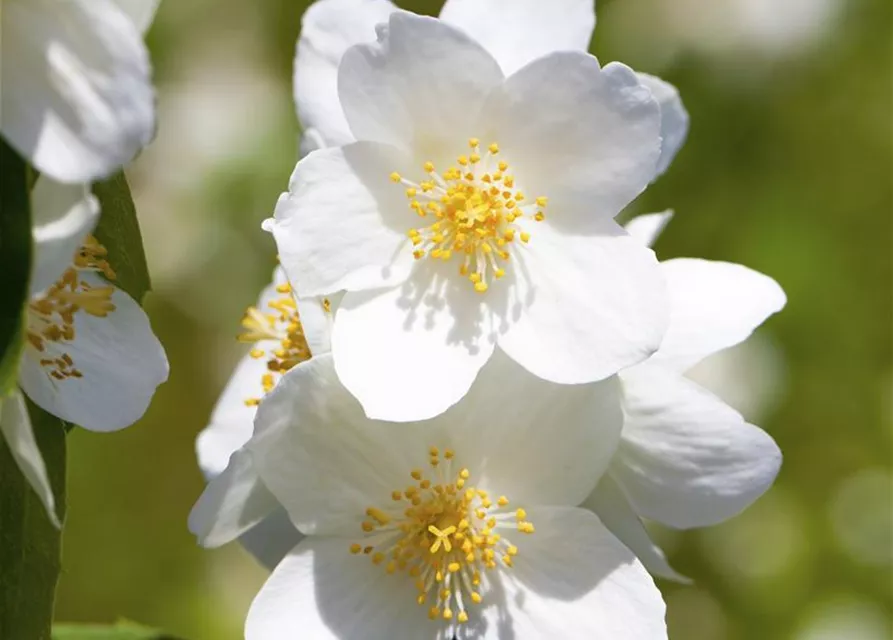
475	208
51	316
280	326
444	534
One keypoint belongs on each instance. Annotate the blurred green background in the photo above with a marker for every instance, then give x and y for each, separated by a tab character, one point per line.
787	170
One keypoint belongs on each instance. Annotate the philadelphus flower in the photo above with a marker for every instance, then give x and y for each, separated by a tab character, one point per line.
474	212
77	100
90	356
686	459
463	526
284	331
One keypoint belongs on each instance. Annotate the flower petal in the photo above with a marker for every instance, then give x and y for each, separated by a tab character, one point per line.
673	119
232	503
411	352
714	305
587	307
328	29
647	227
517	32
121	360
272	538
15	425
511	423
687	459
77	98
420	87
615	512
62	216
573	579
321	457
586	137
343	225
140	12
327	593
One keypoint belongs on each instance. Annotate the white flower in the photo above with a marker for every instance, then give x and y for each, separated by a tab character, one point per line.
686	459
463	526
284	331
511	184
89	356
77	100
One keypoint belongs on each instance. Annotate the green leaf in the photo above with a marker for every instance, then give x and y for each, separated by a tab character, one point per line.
30	546
120	631
15	261
119	232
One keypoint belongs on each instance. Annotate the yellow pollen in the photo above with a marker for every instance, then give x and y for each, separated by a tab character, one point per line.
279	326
471	217
443	534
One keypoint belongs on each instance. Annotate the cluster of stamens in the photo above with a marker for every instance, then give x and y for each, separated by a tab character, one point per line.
51	316
444	534
279	323
474	208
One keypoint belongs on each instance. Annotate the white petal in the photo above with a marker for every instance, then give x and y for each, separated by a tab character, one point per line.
77	98
15	425
714	305
615	512
587	306
121	360
232	503
232	421
62	215
328	29
317	318
271	538
573	579
585	137
321	591
516	32
673	119
687	459
319	455
141	12
343	224
647	227
420	87
512	423
411	352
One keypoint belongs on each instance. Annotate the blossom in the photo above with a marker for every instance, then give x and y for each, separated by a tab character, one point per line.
77	100
465	525
686	459
89	357
474	214
285	331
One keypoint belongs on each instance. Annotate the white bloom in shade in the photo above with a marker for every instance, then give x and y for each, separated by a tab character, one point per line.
77	99
451	527
90	356
686	459
284	332
474	212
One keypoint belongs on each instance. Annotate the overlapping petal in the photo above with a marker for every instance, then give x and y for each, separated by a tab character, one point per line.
121	360
77	98
647	227
673	119
517	32
328	29
687	459
586	137
587	306
714	305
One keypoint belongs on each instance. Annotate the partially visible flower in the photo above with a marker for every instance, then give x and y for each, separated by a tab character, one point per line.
284	331
77	100
90	356
513	184
686	459
463	526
